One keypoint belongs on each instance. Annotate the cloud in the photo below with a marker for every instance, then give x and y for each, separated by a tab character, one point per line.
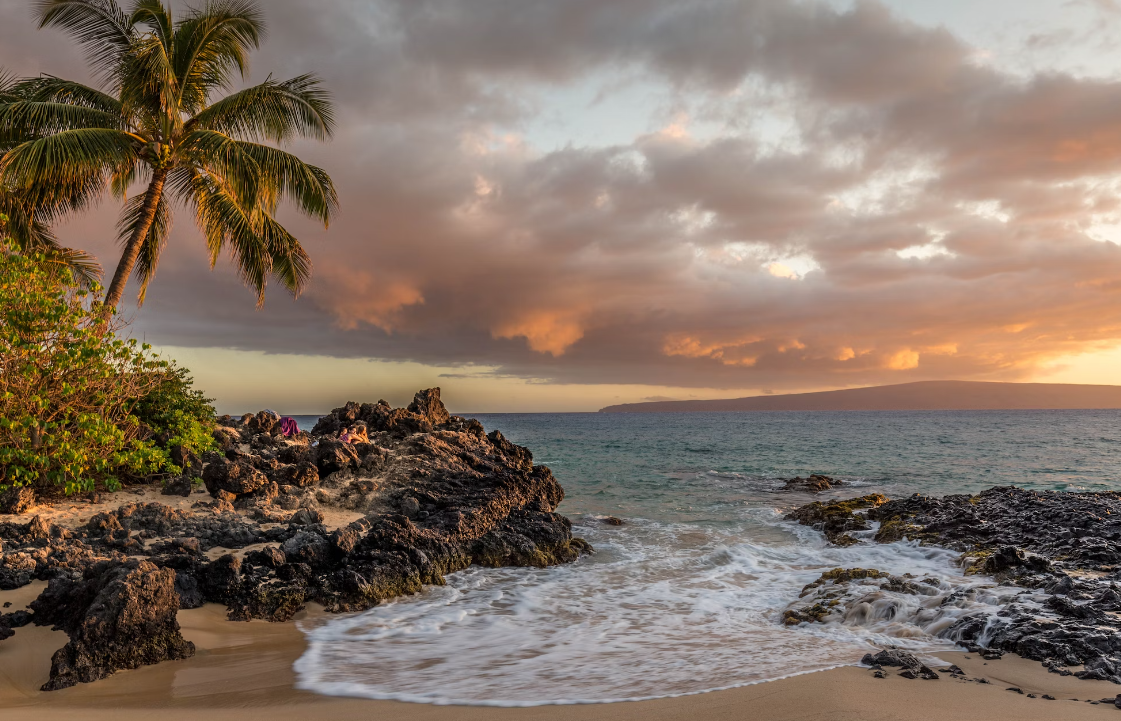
922	200
545	331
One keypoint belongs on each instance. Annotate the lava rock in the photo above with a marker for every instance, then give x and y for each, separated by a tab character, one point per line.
814	484
179	486
118	616
236	477
16	500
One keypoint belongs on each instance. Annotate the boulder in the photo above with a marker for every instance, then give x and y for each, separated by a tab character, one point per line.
263	422
427	405
333	455
814	484
17	500
179	486
118	616
302	475
237	477
307	547
187	460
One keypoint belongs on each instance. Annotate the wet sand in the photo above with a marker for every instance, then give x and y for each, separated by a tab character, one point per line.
244	671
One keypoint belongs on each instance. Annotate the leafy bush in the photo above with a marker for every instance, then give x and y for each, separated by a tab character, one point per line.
68	385
176	414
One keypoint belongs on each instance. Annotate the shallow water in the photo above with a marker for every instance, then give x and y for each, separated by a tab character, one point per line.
688	595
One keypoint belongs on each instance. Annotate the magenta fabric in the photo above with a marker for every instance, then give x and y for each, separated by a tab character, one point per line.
288	426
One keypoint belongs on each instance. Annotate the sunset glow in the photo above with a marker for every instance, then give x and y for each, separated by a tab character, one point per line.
561	205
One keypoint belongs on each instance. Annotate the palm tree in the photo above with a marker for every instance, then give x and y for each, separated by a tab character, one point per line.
25	216
156	123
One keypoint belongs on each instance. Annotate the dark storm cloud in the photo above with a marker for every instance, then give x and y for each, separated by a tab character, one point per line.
721	259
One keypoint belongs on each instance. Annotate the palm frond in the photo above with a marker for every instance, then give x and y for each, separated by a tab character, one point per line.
153	243
211	44
49	89
154	15
82	266
30	119
224	157
289	262
149	87
100	26
274	111
123	178
309	187
68	157
258	244
27	234
8	84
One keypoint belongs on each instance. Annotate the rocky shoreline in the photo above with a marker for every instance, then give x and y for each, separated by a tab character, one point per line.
282	521
1055	558
432	493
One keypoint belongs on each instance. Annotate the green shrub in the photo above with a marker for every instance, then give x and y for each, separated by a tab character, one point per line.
68	385
176	414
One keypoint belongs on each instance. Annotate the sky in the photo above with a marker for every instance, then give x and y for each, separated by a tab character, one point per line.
557	205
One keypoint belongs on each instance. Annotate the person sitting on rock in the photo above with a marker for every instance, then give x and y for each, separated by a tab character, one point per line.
358	434
354	434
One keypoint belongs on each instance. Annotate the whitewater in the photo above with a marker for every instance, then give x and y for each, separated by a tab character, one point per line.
688	595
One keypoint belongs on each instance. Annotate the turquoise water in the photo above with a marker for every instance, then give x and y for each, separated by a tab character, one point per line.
702	466
688	595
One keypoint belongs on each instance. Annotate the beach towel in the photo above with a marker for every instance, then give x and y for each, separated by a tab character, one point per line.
288	426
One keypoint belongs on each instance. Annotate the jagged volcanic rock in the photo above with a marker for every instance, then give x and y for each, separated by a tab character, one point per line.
1062	549
435	493
118	615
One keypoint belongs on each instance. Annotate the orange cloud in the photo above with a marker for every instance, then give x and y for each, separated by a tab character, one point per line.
545	331
903	360
356	297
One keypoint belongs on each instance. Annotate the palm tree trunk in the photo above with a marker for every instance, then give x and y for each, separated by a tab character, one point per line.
132	249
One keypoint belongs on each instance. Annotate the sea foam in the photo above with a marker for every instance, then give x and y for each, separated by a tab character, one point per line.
661	609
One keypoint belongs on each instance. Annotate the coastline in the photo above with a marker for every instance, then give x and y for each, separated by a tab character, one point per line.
243	670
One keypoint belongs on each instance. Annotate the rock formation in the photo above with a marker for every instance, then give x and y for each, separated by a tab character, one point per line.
436	494
1058	552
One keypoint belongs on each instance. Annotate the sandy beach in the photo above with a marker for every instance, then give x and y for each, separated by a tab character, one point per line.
244	671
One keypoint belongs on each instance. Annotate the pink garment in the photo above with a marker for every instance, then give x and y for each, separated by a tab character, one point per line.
288	426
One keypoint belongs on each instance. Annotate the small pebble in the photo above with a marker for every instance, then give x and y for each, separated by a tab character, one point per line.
1049	697
1013	688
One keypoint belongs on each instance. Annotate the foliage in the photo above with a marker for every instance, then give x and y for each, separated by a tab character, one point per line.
26	213
155	123
67	385
177	414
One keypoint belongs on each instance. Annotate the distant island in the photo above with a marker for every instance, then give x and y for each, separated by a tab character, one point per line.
920	396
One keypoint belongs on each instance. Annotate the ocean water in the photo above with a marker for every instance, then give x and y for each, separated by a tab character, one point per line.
688	595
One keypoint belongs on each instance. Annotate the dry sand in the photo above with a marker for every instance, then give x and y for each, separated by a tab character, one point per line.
244	671
75	512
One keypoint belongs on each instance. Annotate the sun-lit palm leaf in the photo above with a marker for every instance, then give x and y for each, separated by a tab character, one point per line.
67	157
289	262
224	157
155	16
211	44
83	267
101	26
309	187
49	89
274	111
36	119
153	243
